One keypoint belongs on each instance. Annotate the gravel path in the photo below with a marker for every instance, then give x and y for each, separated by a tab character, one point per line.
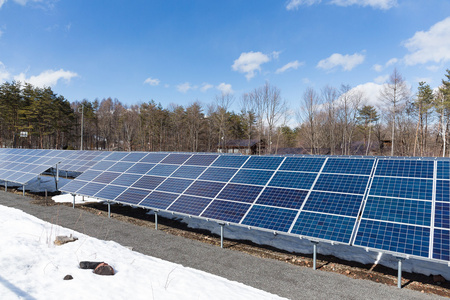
273	276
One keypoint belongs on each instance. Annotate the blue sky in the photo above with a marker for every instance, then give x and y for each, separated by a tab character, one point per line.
183	51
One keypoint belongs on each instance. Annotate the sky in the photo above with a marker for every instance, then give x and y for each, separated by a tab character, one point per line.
185	51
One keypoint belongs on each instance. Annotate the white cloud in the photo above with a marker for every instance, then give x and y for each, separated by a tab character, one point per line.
347	62
47	78
371	93
225	88
4	74
378	67
206	86
390	62
185	87
430	46
292	65
249	63
152	81
2	2
381	4
294	4
381	79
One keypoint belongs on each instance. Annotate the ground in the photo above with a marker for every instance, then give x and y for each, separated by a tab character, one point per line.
377	273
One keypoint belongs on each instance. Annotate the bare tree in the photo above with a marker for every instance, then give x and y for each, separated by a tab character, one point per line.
329	97
394	93
222	104
308	115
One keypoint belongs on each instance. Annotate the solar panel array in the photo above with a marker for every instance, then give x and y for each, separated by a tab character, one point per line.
81	160
22	165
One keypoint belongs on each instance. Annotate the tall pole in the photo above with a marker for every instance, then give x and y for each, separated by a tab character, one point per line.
82	124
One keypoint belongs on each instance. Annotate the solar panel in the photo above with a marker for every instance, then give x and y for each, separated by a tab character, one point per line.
226	211
278	219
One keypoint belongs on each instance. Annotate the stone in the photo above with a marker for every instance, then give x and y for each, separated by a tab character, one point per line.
68	277
89	264
104	269
63	239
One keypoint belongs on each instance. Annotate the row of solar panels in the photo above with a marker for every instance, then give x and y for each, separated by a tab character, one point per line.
399	206
23	165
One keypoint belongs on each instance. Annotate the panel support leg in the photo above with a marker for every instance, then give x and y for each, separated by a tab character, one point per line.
399	269
156	219
109	209
314	254
222	227
6	186
73	203
23	190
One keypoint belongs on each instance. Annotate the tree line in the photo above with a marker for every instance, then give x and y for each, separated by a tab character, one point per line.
329	121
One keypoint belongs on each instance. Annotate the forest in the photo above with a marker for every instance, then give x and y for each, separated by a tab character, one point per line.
332	120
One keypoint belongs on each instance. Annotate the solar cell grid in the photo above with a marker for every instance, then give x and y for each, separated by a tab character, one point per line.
323	226
442	215
120	167
204	189
72	186
110	192
242	193
201	160
176	159
132	196
148	182
89	175
411	188
162	170
154	157
189	172
174	185
333	203
134	156
443	190
305	164
218	174
90	189
349	166
116	156
296	180
405	168
263	162
398	210
287	198
126	179
106	177
272	218
443	170
257	177
388	236
190	205
230	161
226	211
352	184
159	200
441	244
103	165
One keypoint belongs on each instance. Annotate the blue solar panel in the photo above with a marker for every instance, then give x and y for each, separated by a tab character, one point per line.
218	174
226	211
442	215
153	158
148	182
90	189
230	161
441	244
405	168
288	198
190	205
402	187
322	226
140	168
305	164
352	184
116	156
263	162
349	166
204	189
189	172
293	180
333	203
159	200
398	210
400	238
72	186
162	170
278	219
443	170
102	165
106	177
443	190
132	196
126	179
176	159
257	177
120	167
174	185
110	192
201	160
242	193
134	156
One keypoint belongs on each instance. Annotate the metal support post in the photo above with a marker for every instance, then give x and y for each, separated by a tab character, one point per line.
57	177
73	205
156	219
82	198
399	269
314	254
23	190
109	209
222	226
6	186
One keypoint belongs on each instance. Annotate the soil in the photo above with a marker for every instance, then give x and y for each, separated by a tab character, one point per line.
426	284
